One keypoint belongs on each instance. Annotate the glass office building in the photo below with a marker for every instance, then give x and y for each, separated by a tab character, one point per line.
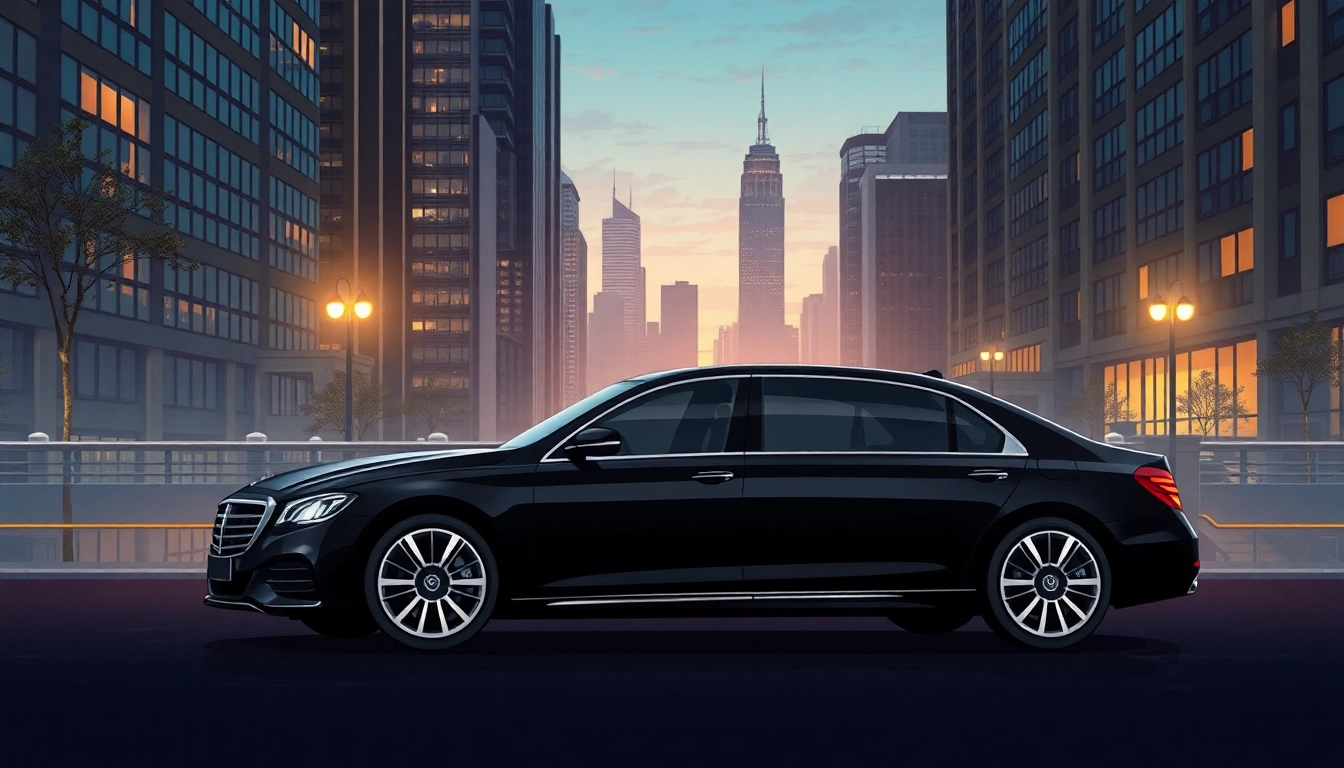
214	101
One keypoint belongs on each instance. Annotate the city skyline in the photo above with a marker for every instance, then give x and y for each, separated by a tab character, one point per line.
673	126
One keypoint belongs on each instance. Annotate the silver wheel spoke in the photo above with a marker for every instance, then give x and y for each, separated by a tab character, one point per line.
1065	553
1037	560
397	587
449	550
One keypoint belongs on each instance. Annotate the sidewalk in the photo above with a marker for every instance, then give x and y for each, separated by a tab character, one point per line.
1306	571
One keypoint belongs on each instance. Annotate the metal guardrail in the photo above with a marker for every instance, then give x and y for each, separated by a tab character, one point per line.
1271	463
177	463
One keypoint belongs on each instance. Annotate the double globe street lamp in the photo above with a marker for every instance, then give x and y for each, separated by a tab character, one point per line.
991	356
337	306
1171	310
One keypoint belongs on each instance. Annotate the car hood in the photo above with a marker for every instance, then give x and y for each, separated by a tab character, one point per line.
352	470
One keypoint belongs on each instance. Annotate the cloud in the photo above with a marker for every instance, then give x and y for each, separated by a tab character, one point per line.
594	73
849	19
725	40
592	122
855	64
662	29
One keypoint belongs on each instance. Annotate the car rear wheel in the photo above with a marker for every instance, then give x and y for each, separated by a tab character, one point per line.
431	582
931	621
1048	584
340	625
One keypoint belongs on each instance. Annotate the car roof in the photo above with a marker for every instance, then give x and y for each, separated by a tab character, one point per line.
794	368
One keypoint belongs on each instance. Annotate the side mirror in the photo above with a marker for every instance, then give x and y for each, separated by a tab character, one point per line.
594	442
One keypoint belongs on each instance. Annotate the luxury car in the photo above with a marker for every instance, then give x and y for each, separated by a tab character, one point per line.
725	491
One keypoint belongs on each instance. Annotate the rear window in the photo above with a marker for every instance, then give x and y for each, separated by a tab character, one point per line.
974	433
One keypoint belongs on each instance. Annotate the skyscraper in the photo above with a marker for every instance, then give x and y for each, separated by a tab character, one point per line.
680	327
441	197
1103	151
622	275
220	110
607	361
857	152
760	297
574	297
810	329
826	341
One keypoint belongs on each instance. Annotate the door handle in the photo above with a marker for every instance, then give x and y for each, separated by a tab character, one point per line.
712	478
987	475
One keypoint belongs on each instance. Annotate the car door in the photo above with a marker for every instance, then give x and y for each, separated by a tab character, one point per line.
663	516
857	485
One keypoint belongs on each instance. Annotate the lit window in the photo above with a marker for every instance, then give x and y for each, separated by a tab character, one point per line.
1334	217
1247	149
1143	282
1288	23
88	93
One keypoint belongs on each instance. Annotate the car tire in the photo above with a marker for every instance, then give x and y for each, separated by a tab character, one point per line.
1047	585
339	625
932	621
431	582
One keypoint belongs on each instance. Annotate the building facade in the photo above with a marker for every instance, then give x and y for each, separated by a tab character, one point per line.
680	328
623	276
573	297
441	198
1107	155
903	296
858	152
607	361
221	110
760	286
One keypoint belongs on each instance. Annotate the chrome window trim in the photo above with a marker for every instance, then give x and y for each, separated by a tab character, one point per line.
1011	445
558	446
266	513
558	460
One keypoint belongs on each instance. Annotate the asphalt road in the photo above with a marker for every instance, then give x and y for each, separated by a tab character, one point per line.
140	673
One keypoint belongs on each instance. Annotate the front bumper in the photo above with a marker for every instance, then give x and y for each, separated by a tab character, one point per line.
286	571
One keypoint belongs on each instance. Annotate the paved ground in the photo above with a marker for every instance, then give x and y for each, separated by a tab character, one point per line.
139	673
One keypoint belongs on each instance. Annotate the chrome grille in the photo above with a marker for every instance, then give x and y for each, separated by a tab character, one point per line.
236	524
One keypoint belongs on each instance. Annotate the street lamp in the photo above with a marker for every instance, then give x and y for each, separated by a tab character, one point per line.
363	308
991	356
1181	309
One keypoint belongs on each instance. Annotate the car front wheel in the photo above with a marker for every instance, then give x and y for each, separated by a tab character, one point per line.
1048	584
431	582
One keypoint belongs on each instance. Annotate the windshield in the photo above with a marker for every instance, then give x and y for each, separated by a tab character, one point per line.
546	427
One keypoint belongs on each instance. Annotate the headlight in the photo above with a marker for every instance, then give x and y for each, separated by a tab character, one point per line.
315	508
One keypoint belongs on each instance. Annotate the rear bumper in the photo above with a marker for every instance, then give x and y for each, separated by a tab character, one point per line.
1151	571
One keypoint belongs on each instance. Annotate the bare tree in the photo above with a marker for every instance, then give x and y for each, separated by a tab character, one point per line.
1097	405
1307	356
70	222
434	402
1209	402
372	404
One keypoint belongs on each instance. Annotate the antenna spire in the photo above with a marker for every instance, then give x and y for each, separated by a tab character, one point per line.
762	131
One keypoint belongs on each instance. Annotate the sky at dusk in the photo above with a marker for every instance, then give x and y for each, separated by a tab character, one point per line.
666	93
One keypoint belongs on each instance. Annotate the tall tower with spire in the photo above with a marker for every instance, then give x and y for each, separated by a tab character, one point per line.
760	263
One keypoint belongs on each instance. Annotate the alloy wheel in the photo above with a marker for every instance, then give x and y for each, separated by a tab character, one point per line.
1050	583
431	583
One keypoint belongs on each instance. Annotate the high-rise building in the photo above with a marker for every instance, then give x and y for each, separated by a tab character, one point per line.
725	346
573	296
441	197
857	152
903	277
760	289
650	350
220	110
911	139
623	275
1101	152
810	338
680	329
826	339
607	361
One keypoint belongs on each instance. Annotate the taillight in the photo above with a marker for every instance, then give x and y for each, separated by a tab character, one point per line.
1160	483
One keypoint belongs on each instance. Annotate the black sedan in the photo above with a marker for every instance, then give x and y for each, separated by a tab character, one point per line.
729	491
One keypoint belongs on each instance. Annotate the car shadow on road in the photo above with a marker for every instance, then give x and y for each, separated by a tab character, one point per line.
313	656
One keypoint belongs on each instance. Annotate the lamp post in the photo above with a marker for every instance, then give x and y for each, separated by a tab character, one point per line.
336	308
1171	309
991	356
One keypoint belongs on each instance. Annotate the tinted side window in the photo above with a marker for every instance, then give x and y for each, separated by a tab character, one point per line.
824	414
974	433
686	418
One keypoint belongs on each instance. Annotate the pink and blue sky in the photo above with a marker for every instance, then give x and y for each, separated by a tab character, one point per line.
666	92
